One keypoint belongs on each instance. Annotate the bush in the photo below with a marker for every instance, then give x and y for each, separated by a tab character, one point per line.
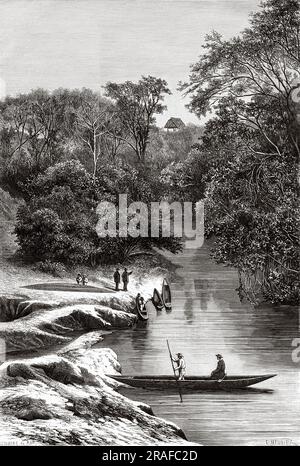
54	268
58	222
38	232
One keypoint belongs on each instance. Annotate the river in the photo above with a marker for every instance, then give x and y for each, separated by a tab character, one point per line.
207	318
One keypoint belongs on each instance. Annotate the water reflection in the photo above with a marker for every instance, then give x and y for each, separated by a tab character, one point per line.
189	309
208	318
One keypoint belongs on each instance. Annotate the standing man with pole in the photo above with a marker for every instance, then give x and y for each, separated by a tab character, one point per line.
180	366
174	370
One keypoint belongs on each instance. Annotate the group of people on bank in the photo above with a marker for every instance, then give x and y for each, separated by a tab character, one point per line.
125	278
217	374
81	279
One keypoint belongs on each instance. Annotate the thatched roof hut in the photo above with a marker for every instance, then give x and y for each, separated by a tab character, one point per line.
174	124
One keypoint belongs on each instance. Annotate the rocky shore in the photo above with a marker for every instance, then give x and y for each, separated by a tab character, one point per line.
64	396
67	400
30	324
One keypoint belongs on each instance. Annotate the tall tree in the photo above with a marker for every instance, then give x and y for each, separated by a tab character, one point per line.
92	124
31	128
136	105
260	65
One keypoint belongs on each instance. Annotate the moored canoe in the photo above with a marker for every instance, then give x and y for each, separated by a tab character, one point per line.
141	311
166	294
157	300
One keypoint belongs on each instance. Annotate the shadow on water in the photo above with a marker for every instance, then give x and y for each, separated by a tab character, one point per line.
189	310
217	393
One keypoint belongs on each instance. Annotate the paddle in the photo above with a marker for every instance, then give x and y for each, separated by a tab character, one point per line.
177	383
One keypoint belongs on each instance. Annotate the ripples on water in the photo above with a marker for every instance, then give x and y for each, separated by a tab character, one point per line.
208	318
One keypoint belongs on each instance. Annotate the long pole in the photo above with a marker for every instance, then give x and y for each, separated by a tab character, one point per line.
177	383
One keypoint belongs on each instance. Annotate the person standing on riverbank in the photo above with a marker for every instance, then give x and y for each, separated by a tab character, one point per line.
219	372
117	279
125	278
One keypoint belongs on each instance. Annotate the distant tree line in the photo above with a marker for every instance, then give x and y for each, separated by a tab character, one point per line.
65	151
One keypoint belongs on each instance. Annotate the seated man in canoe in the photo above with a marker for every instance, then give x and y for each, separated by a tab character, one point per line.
140	301
180	366
143	304
219	372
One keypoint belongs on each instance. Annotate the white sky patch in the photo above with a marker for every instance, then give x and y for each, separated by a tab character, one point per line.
2	88
85	43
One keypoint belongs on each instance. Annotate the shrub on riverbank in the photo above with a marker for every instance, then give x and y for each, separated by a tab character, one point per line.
58	222
54	268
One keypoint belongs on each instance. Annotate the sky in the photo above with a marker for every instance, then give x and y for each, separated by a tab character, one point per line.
85	43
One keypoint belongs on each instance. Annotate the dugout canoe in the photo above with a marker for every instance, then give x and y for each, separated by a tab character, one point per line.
141	311
166	294
194	383
157	300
